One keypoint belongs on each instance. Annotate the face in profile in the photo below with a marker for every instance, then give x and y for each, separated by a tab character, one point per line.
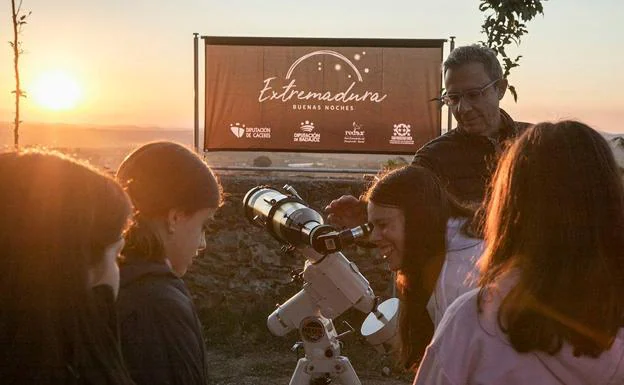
477	113
186	237
388	232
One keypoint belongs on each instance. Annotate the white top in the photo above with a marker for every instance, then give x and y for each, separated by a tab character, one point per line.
469	348
458	274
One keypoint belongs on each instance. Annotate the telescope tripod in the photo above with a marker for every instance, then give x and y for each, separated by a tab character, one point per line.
322	362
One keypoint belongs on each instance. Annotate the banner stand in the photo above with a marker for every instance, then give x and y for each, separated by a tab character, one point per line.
196	90
449	125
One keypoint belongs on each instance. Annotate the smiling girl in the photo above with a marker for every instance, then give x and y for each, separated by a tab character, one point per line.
423	234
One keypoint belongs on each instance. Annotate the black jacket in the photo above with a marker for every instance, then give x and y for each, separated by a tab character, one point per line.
465	162
161	337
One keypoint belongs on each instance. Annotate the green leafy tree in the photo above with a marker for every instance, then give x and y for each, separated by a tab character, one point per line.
19	20
505	23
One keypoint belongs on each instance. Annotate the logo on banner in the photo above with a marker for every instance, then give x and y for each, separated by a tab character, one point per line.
355	135
307	135
402	134
343	99
239	130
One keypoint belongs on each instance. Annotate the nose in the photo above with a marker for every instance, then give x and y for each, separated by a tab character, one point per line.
202	242
463	105
375	235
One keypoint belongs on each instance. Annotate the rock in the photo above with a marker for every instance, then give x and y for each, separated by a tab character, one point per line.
243	265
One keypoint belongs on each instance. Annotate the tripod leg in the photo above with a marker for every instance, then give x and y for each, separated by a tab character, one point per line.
347	376
301	376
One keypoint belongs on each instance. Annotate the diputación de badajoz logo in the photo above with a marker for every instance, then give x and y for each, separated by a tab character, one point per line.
307	135
287	90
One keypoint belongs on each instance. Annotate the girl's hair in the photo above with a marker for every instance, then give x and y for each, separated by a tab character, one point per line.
556	218
427	208
57	217
159	177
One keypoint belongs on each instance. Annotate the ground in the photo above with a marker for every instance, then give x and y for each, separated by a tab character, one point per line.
257	366
242	351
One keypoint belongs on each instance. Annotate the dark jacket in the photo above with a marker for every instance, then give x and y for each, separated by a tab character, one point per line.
84	357
161	337
465	162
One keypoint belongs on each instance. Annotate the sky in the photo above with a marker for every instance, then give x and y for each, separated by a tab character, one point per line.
132	61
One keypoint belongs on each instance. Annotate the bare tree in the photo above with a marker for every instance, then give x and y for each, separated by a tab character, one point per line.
19	19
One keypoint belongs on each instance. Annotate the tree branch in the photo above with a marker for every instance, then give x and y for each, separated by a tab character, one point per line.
504	24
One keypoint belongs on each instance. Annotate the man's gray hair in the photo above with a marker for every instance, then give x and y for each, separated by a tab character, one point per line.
474	53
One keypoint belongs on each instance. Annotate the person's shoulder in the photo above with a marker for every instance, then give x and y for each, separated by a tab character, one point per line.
463	307
440	148
164	309
462	311
450	138
470	321
457	335
460	245
514	127
154	294
477	310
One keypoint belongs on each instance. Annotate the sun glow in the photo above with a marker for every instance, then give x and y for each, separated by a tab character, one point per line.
56	90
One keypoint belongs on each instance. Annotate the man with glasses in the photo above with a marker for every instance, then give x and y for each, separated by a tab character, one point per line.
465	157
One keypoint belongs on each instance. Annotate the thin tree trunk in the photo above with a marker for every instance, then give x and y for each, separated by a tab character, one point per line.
18	90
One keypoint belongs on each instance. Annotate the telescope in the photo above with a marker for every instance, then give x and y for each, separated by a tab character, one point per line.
289	220
332	284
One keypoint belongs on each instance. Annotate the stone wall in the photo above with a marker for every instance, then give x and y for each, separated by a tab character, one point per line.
244	270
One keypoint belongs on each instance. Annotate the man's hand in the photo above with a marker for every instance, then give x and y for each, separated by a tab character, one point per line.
346	211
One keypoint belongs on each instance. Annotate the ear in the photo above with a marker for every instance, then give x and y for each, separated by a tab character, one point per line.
501	88
173	219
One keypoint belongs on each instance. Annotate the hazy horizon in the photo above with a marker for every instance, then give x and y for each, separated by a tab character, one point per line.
29	124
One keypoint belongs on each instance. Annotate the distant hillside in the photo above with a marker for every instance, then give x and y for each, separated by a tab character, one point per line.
89	136
108	145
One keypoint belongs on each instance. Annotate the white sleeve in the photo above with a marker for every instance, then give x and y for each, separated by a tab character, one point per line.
430	371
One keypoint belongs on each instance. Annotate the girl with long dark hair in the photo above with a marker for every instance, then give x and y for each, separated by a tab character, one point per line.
425	236
61	225
550	303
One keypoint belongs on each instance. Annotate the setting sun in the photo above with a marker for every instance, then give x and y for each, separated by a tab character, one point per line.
56	91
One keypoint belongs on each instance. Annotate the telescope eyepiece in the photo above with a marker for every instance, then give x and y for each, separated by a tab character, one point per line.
333	241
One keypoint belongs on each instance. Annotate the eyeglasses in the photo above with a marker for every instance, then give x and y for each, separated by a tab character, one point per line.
472	96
